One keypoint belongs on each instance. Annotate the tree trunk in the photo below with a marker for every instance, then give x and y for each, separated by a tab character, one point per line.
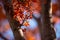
13	23
47	32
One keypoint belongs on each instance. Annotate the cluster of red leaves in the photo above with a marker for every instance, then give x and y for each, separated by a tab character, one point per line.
22	13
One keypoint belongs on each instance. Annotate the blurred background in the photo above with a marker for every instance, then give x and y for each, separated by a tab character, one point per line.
44	25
